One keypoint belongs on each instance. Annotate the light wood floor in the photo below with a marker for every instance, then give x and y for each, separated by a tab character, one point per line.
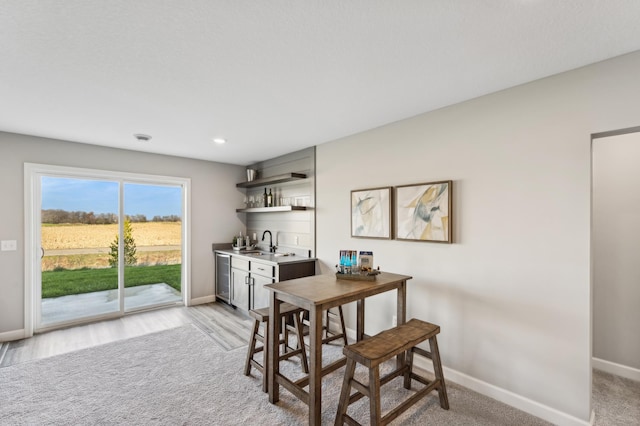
228	327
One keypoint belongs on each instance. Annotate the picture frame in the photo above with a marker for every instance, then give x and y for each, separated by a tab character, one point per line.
371	213
423	212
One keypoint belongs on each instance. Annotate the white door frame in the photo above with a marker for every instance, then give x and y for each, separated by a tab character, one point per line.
32	208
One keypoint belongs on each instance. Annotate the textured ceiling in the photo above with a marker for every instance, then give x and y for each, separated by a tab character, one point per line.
277	76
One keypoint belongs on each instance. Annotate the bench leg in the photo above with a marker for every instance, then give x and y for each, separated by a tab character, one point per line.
343	403
374	395
407	374
437	368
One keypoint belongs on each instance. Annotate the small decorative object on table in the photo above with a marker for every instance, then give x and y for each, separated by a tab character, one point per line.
349	269
348	261
366	260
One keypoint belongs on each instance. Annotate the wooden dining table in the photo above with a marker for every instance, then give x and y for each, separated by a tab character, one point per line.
317	294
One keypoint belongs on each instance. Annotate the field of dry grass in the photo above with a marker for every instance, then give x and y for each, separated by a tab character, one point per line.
64	237
79	237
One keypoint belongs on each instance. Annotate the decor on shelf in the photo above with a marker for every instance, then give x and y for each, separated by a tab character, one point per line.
423	212
371	213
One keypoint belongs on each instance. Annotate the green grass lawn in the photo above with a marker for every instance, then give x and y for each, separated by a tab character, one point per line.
65	282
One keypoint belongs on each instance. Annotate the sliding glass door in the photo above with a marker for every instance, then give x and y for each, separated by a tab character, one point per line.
152	245
78	220
104	244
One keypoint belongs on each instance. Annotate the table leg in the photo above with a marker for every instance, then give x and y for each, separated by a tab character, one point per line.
315	366
360	320
401	315
273	336
401	304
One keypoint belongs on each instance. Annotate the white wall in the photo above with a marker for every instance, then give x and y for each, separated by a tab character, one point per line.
616	250
213	217
512	294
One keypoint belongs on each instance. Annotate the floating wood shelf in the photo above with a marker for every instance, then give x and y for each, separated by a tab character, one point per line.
287	177
272	209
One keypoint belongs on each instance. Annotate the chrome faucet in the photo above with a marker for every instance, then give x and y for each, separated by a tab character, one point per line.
272	248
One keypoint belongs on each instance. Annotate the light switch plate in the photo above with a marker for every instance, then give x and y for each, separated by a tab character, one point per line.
8	245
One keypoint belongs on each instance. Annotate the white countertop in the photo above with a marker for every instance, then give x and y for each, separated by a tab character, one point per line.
276	258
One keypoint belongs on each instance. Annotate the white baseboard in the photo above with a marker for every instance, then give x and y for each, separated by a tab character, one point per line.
527	405
202	300
617	369
8	336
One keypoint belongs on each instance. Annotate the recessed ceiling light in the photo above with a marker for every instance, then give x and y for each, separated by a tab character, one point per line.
220	140
142	137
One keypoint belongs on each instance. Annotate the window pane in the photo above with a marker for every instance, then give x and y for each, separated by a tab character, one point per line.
153	239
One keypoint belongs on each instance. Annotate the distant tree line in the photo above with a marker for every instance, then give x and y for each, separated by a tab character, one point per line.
57	216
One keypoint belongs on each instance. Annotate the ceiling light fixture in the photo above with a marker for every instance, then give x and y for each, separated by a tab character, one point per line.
142	137
219	140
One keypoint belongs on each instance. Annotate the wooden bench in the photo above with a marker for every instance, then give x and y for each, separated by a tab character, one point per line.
398	342
261	316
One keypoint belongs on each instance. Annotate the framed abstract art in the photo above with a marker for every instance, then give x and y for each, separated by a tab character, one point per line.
371	213
423	212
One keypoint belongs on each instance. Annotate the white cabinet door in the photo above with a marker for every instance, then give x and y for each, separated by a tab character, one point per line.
260	294
240	289
261	274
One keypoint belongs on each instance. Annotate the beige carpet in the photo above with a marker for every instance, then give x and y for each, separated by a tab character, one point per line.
182	377
616	400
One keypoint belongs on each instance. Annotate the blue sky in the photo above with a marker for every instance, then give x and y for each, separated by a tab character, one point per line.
102	197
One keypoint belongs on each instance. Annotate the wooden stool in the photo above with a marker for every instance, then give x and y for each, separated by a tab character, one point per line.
261	316
372	352
330	335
